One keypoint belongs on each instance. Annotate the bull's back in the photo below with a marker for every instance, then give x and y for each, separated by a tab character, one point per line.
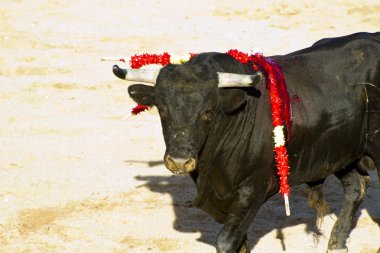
328	86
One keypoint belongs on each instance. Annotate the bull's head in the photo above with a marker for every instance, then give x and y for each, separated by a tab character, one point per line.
188	97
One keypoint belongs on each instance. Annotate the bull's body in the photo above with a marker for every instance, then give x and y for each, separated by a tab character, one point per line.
328	90
334	88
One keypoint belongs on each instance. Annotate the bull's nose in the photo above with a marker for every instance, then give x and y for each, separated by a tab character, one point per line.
180	164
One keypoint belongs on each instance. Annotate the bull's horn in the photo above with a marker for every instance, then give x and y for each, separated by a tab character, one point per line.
239	80
138	75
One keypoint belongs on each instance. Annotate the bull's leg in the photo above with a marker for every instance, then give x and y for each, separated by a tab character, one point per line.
354	186
233	235
376	155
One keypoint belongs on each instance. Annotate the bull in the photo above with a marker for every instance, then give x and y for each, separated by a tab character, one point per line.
216	121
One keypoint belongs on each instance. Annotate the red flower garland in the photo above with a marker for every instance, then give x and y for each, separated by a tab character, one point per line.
282	161
279	100
137	61
277	88
138	109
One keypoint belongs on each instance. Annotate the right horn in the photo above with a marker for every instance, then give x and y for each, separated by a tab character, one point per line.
238	80
138	75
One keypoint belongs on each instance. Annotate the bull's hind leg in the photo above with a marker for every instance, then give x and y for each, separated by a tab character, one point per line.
374	151
354	186
373	147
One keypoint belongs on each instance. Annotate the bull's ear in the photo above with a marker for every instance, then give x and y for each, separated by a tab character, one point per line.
142	94
232	100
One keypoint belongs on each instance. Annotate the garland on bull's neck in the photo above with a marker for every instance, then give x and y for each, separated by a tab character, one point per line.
279	100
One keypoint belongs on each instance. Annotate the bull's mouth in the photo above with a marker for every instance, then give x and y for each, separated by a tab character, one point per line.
180	166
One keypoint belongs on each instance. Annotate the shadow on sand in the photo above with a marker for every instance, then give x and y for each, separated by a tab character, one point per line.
271	216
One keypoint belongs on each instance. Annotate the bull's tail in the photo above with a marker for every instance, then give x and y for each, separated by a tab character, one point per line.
317	202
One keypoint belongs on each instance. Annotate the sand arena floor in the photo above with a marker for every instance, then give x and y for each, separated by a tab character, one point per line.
78	174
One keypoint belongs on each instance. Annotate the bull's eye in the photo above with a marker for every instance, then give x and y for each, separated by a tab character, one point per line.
207	116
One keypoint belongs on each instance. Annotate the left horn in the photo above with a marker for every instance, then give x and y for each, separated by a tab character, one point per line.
138	75
238	80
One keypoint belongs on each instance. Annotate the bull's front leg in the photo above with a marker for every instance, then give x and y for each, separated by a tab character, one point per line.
233	235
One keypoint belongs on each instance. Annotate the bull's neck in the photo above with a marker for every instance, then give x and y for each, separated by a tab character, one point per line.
236	124
235	143
232	133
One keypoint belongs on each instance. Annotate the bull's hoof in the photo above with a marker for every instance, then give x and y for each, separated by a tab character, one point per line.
345	250
243	248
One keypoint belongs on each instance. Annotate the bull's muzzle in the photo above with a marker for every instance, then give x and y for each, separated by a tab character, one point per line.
180	165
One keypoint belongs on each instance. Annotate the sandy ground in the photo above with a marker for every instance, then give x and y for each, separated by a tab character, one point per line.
78	174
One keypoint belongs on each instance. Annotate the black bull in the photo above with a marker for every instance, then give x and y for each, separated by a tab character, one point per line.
223	136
